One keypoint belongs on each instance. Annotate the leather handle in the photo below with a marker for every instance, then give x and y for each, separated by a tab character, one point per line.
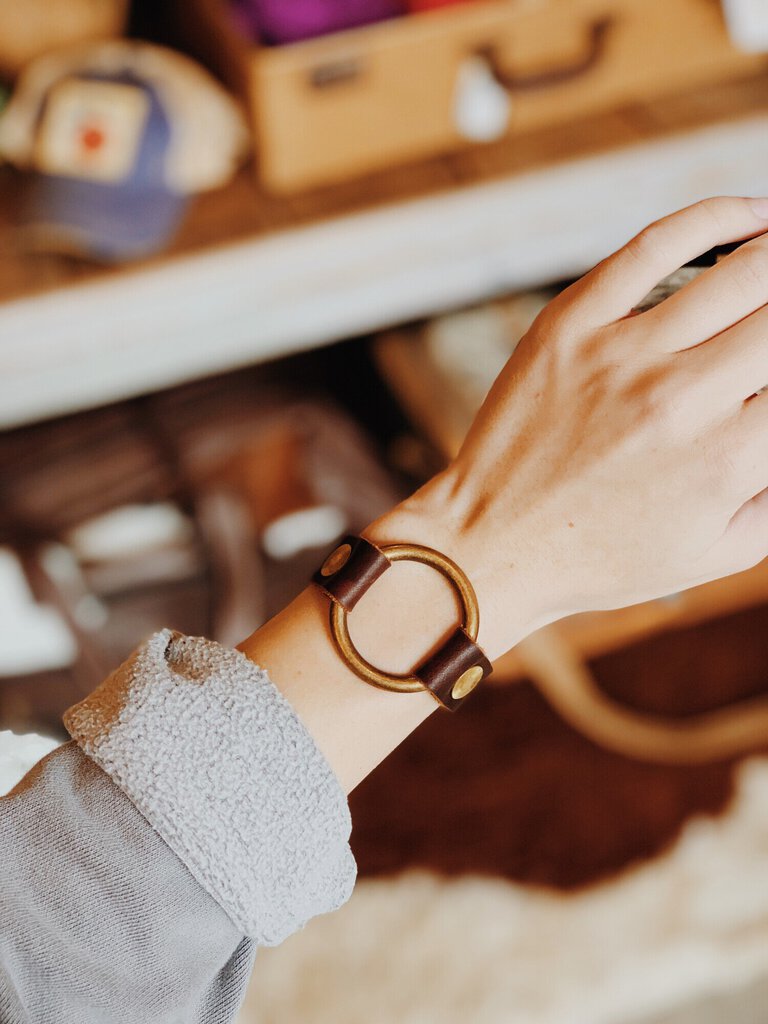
515	83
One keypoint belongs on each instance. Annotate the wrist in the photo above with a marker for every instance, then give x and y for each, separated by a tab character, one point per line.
431	517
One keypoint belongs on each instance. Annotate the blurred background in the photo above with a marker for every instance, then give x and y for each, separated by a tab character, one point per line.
260	261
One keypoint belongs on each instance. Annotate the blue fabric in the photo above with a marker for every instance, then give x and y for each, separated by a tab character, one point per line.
113	221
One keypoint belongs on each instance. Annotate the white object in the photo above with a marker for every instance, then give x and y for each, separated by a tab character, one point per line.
33	637
747	23
688	926
130	530
18	753
302	529
482	105
115	115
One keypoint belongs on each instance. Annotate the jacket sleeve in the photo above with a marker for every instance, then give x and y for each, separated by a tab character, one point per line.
191	820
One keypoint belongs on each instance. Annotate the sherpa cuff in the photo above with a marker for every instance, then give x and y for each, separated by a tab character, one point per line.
218	762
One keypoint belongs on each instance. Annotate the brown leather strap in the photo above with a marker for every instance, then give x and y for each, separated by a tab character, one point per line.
450	674
455	670
350	569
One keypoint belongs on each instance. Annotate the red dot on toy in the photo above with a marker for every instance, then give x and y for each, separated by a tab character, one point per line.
91	138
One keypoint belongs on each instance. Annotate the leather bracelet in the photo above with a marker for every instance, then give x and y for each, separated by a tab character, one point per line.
452	672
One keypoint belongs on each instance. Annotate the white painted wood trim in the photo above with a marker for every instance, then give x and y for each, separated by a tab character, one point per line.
148	328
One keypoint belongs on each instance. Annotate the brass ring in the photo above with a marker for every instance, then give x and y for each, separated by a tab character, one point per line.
405	553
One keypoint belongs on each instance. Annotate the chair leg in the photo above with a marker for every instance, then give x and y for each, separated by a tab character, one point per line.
564	679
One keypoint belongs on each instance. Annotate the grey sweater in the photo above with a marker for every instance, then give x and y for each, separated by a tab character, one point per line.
191	820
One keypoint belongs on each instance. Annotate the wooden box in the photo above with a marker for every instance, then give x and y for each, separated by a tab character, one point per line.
335	107
31	28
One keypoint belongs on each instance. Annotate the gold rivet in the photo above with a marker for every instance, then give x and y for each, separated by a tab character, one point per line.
466	682
336	560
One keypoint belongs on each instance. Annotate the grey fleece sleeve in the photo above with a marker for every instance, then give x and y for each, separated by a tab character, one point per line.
195	819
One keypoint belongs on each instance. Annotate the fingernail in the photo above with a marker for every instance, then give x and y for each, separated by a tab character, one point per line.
760	207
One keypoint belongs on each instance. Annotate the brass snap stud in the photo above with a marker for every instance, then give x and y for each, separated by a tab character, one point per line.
336	560
466	682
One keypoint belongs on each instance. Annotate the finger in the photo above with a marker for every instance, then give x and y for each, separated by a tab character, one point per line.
733	366
620	282
720	296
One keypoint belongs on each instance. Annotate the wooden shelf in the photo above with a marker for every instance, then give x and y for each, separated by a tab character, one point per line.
252	277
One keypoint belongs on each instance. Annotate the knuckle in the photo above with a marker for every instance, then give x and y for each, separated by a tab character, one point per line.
715	209
644	249
549	317
671	404
561	317
750	265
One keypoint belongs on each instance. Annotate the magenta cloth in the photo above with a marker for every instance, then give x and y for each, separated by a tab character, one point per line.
287	21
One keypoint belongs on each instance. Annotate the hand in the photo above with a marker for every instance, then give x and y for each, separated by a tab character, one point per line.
618	457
